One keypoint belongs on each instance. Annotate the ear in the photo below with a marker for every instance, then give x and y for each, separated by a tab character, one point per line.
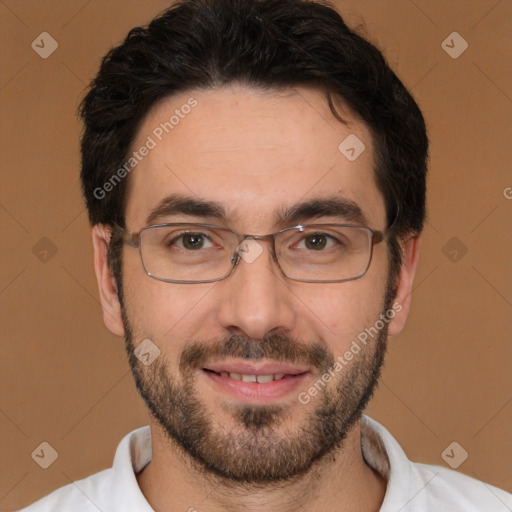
402	302
106	282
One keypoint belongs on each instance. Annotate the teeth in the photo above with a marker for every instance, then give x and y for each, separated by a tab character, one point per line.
253	378
264	378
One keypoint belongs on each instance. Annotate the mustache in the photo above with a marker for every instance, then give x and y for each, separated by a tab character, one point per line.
276	347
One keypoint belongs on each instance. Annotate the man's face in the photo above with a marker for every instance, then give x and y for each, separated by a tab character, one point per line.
255	154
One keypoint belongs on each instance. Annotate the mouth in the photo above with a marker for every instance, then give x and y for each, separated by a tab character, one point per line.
251	382
260	379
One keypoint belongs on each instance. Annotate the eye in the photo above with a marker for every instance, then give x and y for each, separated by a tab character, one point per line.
317	241
192	241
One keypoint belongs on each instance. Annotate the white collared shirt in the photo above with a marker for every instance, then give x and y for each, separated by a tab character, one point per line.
411	487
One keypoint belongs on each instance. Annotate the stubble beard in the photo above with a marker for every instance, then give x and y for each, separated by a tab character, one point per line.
253	449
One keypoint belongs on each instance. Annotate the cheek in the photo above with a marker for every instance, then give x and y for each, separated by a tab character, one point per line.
345	309
166	313
341	311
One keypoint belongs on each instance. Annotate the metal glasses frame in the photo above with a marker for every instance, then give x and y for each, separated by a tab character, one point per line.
133	239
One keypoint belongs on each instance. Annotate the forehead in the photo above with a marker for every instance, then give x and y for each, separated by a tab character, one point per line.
254	152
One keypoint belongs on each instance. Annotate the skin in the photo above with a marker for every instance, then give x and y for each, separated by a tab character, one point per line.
254	152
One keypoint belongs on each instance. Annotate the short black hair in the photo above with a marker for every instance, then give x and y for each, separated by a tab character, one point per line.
269	44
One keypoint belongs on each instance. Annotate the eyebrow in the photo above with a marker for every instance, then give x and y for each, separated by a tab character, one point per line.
341	208
186	205
332	206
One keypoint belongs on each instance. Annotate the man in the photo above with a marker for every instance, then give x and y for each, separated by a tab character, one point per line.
255	177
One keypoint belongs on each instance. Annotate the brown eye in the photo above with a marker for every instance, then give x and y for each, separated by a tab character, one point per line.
315	241
190	241
193	241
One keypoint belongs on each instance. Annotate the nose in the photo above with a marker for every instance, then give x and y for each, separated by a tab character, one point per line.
256	298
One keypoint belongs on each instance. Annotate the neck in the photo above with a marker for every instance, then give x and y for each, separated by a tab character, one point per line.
339	482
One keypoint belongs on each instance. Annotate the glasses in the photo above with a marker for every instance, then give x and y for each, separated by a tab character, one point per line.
204	253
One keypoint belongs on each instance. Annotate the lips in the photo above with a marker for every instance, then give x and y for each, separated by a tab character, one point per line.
256	382
256	372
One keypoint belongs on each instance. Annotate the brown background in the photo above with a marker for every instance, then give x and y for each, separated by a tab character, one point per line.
65	379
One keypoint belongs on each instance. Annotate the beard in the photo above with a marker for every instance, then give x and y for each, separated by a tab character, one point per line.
256	450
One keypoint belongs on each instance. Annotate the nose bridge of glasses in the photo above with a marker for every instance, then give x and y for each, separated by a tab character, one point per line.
244	247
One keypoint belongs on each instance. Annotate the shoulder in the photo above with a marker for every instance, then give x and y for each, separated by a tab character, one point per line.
416	487
80	496
446	489
109	490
